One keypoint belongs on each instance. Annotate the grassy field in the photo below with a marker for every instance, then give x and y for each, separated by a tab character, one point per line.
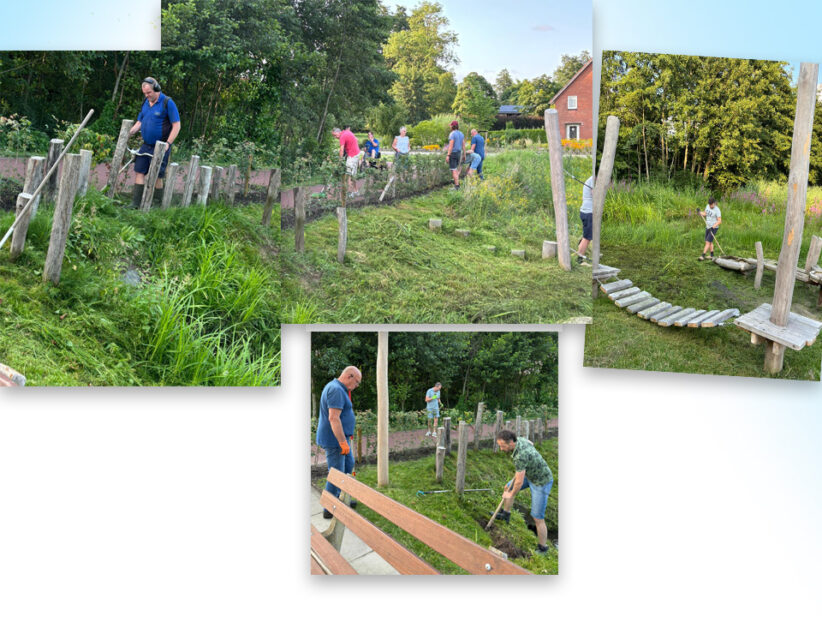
484	469
653	234
398	271
203	307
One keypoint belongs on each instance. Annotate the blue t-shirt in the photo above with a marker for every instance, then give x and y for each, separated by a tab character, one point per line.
435	395
155	121
334	395
479	145
459	140
403	144
369	145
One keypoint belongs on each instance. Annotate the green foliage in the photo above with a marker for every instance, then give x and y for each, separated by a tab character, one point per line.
432	131
475	103
101	145
569	66
386	119
18	137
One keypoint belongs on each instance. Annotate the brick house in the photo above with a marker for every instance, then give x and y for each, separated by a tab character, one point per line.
574	103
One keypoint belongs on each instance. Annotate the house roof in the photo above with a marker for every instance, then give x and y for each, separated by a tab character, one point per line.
572	80
510	109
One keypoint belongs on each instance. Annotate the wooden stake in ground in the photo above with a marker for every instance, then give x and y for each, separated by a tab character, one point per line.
760	265
558	187
478	425
271	195
85	171
62	219
795	212
191	179
603	181
299	219
205	185
382	408
217	176
462	453
342	240
813	253
35	169
231	184
168	187
117	159
55	148
447	422
160	148
18	238
440	452
497	428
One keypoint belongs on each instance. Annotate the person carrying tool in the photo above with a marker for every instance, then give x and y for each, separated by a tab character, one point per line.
531	471
586	215
335	428
713	218
432	407
159	120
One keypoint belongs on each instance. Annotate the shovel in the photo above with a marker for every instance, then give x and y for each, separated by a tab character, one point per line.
494	516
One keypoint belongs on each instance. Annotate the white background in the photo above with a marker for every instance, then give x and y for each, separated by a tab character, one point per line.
688	503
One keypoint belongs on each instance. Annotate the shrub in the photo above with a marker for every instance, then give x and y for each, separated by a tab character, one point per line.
17	136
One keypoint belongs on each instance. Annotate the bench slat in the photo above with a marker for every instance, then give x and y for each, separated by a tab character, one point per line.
466	554
403	560
333	560
316	569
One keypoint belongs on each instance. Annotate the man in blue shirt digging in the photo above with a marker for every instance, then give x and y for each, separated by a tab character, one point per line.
159	120
432	407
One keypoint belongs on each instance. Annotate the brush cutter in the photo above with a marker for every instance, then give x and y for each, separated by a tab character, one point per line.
421	493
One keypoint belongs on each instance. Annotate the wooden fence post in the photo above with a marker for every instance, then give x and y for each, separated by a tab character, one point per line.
117	159
18	238
539	431
216	182
795	212
462	452
447	422
558	187
35	170
813	253
191	178
760	265
382	408
497	428
168	186
153	172
85	170
55	148
518	427
271	195
342	240
440	452
527	429
230	185
62	219
205	185
478	425
603	181
299	219
359	444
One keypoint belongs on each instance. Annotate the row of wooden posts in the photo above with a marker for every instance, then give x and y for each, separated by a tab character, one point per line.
74	181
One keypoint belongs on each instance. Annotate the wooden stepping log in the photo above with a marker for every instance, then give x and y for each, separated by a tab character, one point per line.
672	318
632	299
695	322
645	303
463	233
683	321
665	313
721	318
657	309
624	293
613	287
602	272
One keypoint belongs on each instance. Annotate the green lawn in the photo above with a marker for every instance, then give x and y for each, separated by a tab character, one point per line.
398	271
205	311
654	236
468	516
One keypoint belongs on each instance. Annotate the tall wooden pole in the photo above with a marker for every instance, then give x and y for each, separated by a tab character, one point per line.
191	179
35	170
62	219
603	180
55	148
795	212
299	219
382	408
205	185
85	171
160	148
271	195
342	239
478	425
497	428
168	187
558	187
117	159
462	455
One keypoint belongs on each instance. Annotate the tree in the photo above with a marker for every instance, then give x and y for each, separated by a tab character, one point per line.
473	104
442	94
503	86
569	66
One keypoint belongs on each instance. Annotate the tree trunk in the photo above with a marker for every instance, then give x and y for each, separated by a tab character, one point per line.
328	100
119	75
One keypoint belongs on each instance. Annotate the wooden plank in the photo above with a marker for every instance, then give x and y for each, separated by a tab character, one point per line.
153	174
665	313
733	264
191	179
613	287
398	556
632	299
670	319
603	272
683	321
657	309
645	303
478	425
205	185
721	318
316	569
624	293
796	334
333	560
695	322
462	551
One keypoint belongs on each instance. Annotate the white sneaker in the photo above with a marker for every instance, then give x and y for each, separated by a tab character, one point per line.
433	434
428	433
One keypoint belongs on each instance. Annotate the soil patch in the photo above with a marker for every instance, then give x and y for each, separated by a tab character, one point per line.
501	541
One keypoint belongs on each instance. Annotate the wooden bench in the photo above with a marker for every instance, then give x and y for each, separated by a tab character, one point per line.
10	377
325	546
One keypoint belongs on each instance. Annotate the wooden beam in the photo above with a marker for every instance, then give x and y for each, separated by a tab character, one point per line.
333	560
462	456
382	408
62	219
168	187
342	234
85	171
813	253
205	185
558	187
603	181
299	219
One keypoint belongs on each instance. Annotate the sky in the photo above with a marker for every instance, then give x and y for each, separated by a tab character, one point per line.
527	37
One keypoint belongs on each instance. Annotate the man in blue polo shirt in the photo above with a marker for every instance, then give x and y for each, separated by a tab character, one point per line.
335	428
159	120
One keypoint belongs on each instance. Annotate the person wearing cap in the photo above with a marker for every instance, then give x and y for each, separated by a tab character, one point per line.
456	145
335	427
159	120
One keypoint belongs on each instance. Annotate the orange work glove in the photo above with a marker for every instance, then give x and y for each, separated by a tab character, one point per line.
344	448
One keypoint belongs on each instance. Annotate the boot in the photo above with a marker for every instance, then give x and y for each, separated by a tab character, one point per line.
137	196
505	516
158	197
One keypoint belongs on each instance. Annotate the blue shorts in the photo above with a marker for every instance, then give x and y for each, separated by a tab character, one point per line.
142	163
476	159
710	234
539	496
587	225
433	413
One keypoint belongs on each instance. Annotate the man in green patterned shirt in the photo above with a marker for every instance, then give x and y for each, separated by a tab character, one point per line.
531	471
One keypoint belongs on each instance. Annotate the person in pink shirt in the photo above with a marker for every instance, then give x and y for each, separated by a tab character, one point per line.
350	151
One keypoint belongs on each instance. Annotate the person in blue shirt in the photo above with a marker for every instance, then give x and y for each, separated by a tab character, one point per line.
456	145
335	428
372	149
477	152
159	120
432	407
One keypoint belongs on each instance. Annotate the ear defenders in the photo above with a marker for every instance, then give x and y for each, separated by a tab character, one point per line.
153	83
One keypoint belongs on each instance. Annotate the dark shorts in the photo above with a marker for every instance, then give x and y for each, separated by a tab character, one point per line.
142	163
454	160
710	234
587	225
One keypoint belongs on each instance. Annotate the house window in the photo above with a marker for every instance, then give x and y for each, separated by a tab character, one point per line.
572	102
572	131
